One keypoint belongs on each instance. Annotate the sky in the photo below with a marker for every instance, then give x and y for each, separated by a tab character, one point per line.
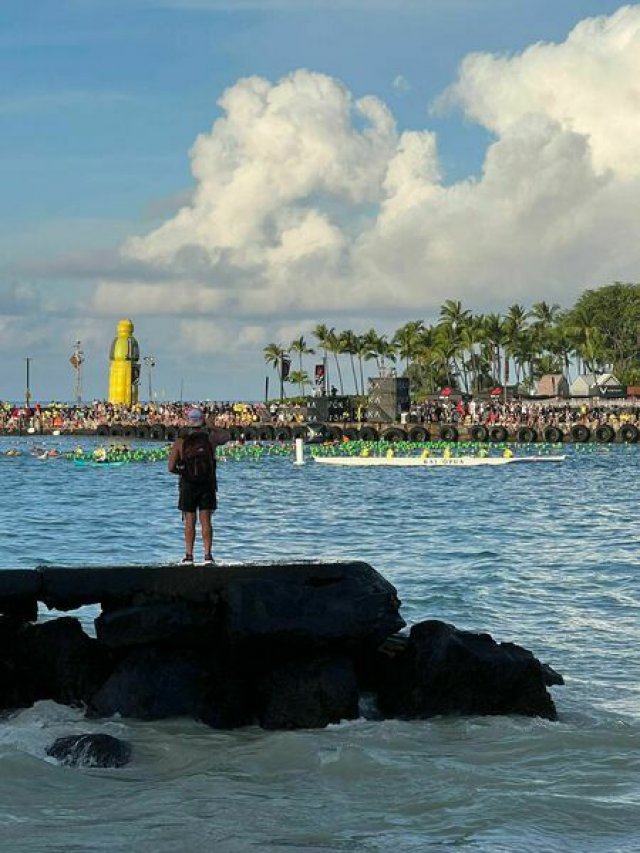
229	173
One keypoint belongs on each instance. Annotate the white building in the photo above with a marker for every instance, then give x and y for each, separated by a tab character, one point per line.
596	385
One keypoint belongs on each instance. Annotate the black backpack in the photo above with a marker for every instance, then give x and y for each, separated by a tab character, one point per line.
198	458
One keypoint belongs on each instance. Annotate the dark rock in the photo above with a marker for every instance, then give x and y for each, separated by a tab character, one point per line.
57	660
150	684
309	694
179	621
229	699
19	591
93	750
551	677
447	671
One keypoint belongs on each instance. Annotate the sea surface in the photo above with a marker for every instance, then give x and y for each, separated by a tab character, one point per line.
546	556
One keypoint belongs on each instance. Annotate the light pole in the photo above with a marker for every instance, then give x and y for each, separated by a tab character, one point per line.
150	361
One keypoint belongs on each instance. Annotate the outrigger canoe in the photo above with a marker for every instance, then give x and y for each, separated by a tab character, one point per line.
431	461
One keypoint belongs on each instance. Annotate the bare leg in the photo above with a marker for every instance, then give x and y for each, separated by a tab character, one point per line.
207	530
189	531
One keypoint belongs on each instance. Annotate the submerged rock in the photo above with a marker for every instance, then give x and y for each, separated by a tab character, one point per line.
444	670
91	750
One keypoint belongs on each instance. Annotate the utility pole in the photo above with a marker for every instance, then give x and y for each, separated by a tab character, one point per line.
150	361
76	360
27	395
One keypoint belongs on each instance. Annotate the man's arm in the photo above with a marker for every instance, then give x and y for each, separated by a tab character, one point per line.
175	457
219	436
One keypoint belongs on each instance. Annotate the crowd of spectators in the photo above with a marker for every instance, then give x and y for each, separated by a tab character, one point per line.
87	417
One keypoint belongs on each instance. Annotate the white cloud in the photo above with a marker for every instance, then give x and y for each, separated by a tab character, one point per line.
310	203
401	83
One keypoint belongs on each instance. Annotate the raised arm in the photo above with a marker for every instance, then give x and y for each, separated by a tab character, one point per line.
175	457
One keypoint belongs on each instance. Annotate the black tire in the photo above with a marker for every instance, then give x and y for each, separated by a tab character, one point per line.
283	433
129	432
526	435
334	433
156	432
629	433
249	433
394	434
498	434
300	431
580	433
115	430
604	434
142	432
102	429
448	433
171	433
351	433
553	435
418	433
368	433
265	432
479	433
235	432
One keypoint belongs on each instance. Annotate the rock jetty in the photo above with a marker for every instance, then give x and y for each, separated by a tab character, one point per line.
281	645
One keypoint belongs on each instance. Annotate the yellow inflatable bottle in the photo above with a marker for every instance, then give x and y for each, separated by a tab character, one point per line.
124	370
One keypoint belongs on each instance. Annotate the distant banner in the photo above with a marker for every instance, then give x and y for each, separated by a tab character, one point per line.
285	367
319	374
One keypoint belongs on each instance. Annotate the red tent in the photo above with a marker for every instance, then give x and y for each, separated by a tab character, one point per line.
496	392
445	392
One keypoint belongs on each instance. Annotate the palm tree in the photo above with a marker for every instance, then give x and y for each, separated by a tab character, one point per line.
494	336
322	334
335	345
274	355
350	346
299	346
407	339
299	378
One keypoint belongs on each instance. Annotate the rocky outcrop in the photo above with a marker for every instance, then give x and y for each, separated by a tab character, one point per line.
284	646
442	670
90	750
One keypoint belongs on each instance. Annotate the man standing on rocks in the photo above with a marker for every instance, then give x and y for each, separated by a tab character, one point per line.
193	457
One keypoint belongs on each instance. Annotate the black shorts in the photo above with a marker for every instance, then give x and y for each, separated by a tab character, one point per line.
195	496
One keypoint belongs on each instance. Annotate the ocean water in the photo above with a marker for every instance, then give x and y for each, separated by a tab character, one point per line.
546	556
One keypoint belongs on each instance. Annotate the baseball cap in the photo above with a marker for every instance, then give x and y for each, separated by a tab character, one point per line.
195	417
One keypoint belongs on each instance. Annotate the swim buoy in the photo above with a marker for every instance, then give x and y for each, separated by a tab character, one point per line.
580	433
553	435
526	435
605	434
448	433
368	433
394	434
479	433
498	434
629	433
418	433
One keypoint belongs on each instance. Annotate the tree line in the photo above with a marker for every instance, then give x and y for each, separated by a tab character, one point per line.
476	352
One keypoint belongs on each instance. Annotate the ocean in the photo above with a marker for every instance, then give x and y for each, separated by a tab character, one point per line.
545	556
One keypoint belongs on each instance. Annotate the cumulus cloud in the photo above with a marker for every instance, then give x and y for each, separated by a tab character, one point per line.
310	202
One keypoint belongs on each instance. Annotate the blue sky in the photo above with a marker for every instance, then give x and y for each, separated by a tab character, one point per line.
101	101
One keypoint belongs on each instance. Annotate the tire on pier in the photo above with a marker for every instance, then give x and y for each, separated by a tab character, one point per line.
553	435
580	433
115	430
102	429
526	435
171	433
300	431
419	433
479	433
351	433
629	433
605	434
333	432
368	433
265	432
448	433
498	434
129	432
156	432
235	432
283	433
394	434
142	432
249	433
